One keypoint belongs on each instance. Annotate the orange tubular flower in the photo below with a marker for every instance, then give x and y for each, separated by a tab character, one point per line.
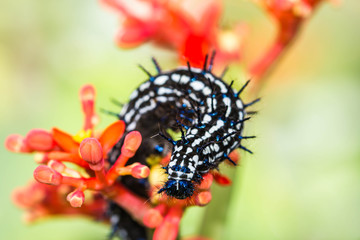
55	148
41	200
189	27
59	189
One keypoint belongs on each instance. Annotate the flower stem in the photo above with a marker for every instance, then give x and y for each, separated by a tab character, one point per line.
262	67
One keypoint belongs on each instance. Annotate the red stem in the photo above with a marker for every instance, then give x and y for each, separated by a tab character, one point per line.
285	36
67	157
112	174
264	64
136	206
169	229
101	177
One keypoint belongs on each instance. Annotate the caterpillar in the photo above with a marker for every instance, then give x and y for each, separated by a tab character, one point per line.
208	112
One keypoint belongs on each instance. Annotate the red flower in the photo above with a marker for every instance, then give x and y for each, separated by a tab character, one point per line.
87	151
189	27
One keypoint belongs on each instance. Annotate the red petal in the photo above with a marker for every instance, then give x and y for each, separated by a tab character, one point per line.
111	135
194	49
133	33
65	141
221	179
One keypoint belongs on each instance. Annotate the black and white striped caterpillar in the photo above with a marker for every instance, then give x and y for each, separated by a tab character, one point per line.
207	111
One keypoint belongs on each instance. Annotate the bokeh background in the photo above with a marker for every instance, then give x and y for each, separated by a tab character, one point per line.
301	183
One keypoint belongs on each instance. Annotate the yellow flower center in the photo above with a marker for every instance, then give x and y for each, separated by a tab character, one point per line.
81	135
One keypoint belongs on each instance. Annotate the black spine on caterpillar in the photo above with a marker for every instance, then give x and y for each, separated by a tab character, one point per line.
208	112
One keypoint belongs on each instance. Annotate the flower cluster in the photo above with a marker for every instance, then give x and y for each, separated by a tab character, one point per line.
87	152
188	27
59	188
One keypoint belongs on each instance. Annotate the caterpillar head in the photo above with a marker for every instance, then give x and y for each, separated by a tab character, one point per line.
179	189
181	170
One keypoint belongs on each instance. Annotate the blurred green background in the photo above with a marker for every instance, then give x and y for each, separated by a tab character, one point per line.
301	183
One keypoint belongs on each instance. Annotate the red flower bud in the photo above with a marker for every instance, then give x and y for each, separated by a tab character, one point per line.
235	157
206	182
140	171
39	140
203	198
76	198
131	144
87	97
87	93
91	151
16	143
44	174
